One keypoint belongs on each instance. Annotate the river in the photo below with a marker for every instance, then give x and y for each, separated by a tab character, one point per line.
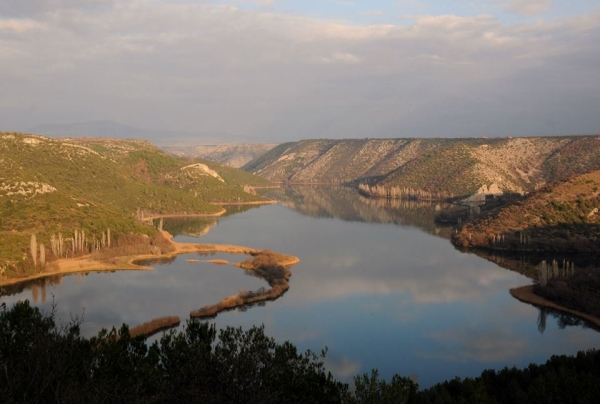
380	286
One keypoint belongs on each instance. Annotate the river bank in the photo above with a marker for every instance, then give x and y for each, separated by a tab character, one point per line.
526	294
86	263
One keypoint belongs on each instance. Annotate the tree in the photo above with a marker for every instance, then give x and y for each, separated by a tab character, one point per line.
42	255
33	249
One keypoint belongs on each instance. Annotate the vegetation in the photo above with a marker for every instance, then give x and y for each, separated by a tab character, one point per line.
81	189
559	217
51	362
459	167
264	264
579	290
154	326
448	170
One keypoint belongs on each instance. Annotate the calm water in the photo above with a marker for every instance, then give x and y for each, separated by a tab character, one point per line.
379	286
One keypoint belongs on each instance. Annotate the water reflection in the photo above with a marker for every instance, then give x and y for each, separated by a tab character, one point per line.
384	296
346	204
197	226
388	296
562	320
527	263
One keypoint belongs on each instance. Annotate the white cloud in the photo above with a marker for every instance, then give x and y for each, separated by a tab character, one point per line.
477	345
373	12
526	7
343	3
341	57
18	26
191	66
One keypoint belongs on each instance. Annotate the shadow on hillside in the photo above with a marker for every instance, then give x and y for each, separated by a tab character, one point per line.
527	262
560	238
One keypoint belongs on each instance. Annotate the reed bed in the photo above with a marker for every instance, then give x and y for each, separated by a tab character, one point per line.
266	265
152	327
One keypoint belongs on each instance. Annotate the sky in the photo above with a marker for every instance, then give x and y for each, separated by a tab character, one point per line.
281	70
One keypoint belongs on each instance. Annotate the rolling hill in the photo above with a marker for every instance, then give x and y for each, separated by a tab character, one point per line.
50	186
456	166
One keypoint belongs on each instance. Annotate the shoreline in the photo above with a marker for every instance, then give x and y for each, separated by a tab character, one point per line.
85	263
526	294
128	263
267	202
175	215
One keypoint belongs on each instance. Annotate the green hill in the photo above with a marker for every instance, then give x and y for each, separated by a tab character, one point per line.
50	186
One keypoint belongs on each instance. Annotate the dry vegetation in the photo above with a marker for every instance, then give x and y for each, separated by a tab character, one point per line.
560	217
580	292
530	294
152	327
266	265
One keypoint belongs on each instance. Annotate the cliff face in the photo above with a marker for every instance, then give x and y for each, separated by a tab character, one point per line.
457	166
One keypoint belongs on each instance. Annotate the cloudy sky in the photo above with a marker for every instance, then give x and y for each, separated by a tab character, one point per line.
278	70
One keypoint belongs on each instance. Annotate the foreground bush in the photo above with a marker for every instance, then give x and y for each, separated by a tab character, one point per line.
42	362
45	362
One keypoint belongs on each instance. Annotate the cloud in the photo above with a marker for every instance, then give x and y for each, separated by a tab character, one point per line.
343	3
526	7
30	8
473	344
18	26
275	77
342	367
373	12
341	57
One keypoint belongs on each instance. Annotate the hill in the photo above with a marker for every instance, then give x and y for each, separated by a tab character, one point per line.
559	217
232	155
452	166
59	186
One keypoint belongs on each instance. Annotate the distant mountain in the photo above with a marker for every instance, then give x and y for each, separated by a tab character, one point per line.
233	155
91	129
457	166
111	129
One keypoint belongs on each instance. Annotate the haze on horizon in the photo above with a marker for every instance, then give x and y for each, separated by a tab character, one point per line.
280	70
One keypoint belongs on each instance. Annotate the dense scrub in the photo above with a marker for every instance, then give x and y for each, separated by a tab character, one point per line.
46	362
580	292
563	216
62	186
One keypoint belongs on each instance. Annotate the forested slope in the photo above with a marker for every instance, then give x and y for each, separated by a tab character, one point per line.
51	186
